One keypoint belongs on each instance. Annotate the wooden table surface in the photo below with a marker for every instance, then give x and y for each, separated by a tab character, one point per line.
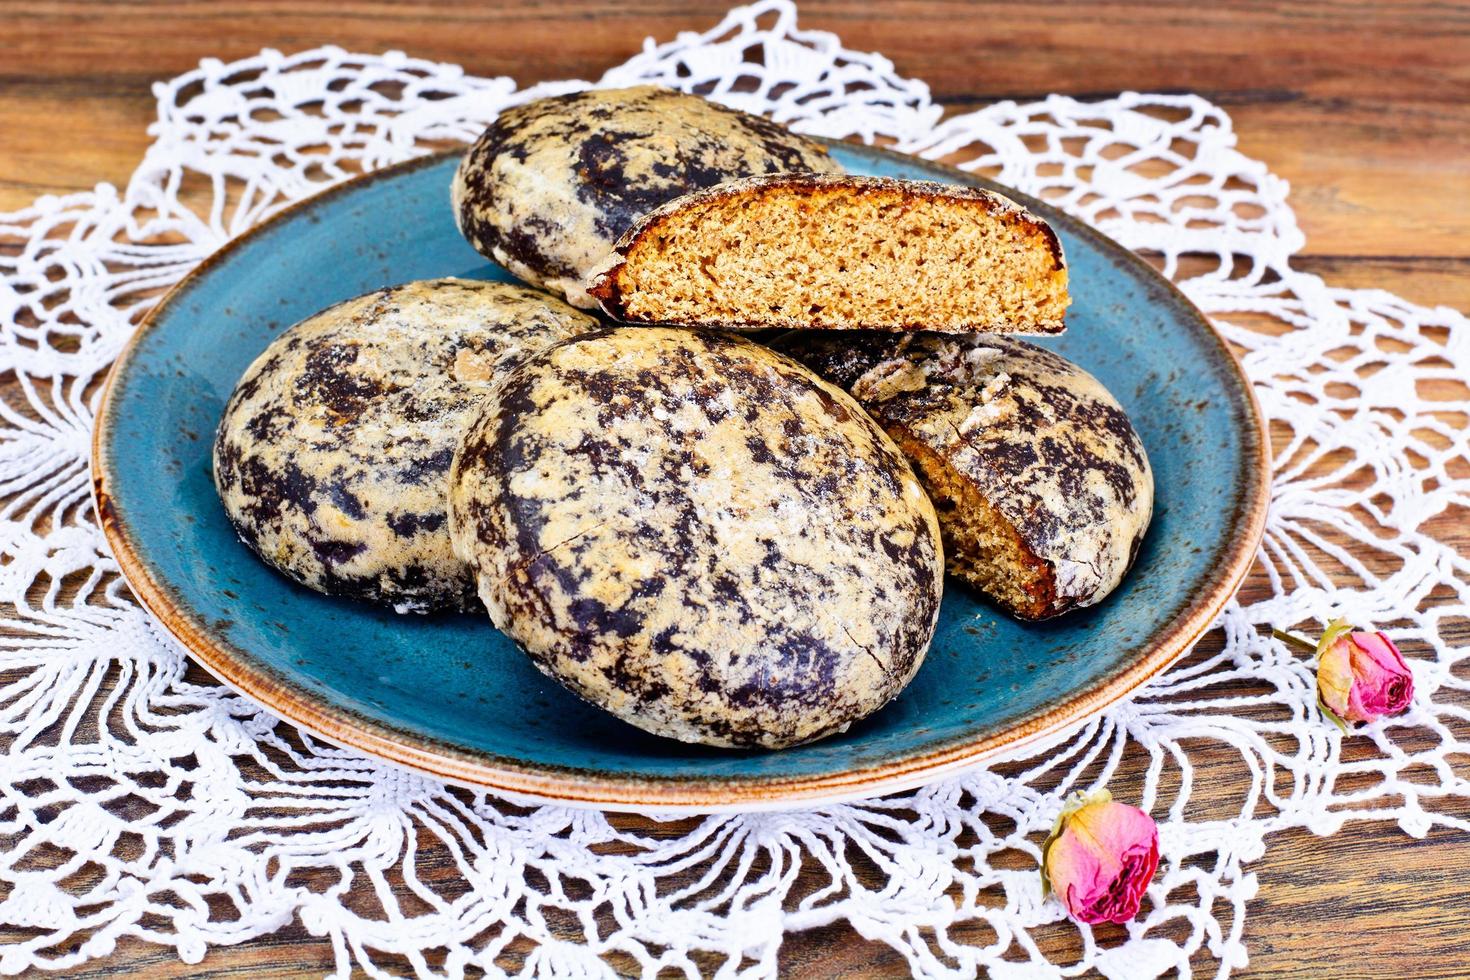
1364	107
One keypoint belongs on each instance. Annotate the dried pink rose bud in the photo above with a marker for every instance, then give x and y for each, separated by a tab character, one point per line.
1100	858
1361	676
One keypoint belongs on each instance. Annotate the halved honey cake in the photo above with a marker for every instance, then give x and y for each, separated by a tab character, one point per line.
839	252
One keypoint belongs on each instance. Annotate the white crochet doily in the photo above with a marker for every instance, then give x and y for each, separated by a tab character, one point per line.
142	800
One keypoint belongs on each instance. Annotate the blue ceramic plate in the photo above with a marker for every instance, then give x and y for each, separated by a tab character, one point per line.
451	696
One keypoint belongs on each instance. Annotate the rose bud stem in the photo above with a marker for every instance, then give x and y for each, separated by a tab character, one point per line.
1304	645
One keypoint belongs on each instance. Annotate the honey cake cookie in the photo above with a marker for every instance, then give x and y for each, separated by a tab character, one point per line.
553	183
1043	487
819	251
333	453
699	535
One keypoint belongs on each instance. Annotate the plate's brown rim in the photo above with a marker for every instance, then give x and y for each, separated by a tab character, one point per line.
701	794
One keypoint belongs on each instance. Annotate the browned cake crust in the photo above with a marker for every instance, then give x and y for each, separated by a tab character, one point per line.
1042	486
698	535
823	251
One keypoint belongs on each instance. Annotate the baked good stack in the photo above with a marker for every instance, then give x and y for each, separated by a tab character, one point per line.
717	539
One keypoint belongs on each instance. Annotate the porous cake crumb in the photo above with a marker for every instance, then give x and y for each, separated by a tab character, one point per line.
839	252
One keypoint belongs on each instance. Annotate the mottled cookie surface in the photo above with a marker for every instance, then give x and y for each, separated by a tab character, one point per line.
552	184
1043	488
333	453
699	535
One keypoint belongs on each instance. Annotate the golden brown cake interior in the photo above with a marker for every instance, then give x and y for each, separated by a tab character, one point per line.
980	545
841	252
